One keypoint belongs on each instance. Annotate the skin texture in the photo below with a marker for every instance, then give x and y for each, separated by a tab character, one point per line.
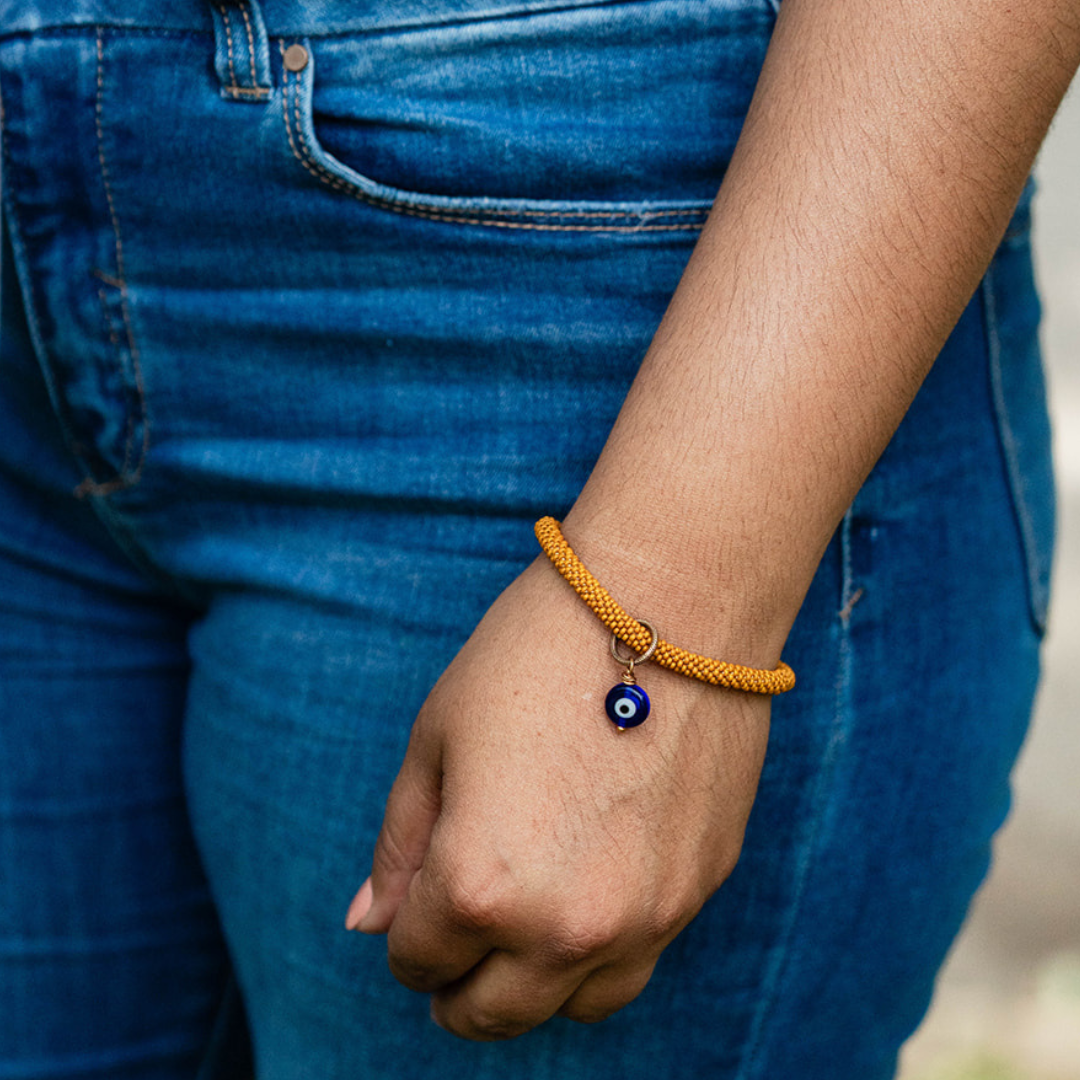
526	870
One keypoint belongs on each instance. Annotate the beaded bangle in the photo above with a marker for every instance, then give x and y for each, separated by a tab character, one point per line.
624	704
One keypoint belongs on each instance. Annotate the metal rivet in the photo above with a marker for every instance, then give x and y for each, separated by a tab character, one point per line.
296	58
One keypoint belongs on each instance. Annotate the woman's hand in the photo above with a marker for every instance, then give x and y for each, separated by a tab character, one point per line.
534	859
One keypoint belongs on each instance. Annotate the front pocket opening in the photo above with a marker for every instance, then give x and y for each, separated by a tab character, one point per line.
497	212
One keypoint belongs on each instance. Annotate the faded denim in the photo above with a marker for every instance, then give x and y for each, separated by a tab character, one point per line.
293	354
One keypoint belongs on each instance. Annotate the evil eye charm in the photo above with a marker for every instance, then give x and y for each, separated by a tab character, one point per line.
627	705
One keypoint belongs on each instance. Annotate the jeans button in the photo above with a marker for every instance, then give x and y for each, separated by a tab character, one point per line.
296	58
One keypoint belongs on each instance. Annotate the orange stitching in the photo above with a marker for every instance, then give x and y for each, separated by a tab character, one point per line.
845	611
251	42
124	479
254	91
90	486
285	109
319	171
228	38
116	283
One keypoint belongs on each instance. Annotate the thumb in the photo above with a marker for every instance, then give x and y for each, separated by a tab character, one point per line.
411	812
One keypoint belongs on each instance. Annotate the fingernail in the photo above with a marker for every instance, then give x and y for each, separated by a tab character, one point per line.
359	907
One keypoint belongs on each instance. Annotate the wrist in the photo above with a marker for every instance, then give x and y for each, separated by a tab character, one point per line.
688	582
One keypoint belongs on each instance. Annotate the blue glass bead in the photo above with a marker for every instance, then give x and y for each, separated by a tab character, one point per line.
626	705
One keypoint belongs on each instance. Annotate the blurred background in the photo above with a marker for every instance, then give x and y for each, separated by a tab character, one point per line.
1007	1005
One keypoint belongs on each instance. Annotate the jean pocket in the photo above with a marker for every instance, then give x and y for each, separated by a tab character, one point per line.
1017	382
620	117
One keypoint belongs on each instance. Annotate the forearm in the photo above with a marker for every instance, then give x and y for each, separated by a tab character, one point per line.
884	152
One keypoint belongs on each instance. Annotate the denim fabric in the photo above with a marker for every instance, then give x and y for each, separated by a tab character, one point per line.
295	348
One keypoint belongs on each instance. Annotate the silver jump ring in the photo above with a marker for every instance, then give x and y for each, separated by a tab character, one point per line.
646	655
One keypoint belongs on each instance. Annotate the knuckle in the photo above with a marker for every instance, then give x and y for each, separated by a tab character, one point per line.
576	942
594	1004
667	915
475	901
485	1024
411	973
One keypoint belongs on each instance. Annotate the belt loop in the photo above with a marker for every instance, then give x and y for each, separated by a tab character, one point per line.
241	53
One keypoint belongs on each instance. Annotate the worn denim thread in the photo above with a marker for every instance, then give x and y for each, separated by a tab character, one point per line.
109	279
845	611
303	154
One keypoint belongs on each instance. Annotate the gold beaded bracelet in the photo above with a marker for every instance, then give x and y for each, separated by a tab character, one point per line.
627	704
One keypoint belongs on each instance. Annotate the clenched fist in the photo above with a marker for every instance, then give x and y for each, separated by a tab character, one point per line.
534	859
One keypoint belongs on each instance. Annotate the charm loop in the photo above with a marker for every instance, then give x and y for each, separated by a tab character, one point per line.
646	655
627	705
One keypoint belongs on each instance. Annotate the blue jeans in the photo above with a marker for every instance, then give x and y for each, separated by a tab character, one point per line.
310	310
